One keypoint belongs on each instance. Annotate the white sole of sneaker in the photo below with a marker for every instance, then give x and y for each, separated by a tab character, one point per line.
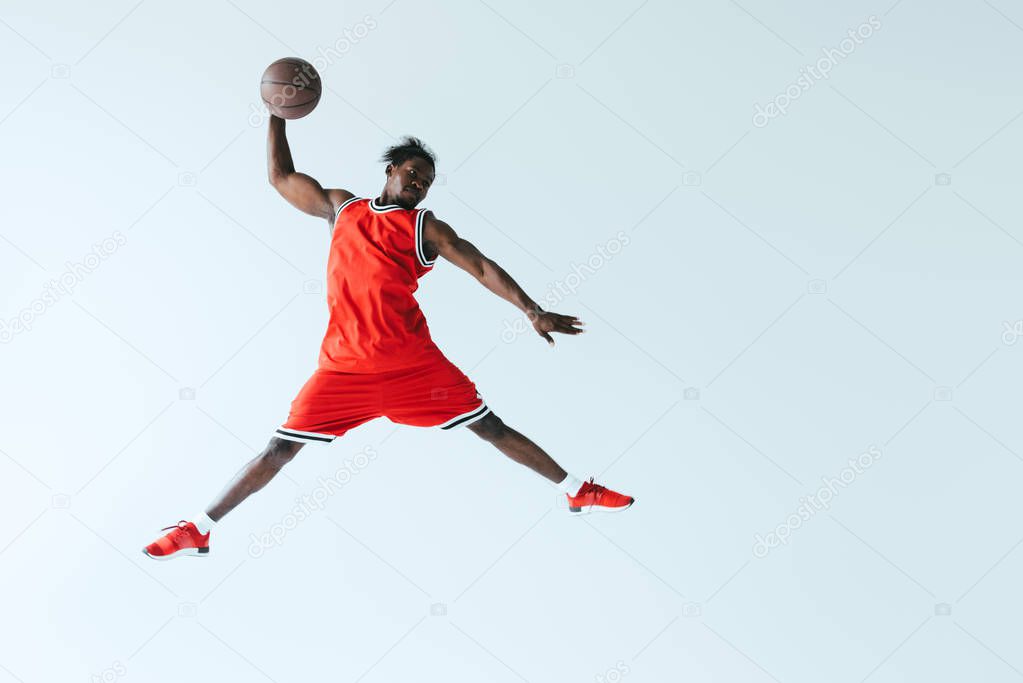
185	552
597	508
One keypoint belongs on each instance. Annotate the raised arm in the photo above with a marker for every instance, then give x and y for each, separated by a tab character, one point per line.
302	191
441	238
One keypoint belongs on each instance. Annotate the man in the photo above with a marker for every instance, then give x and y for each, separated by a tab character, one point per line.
377	358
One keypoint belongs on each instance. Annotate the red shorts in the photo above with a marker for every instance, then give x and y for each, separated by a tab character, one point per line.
434	394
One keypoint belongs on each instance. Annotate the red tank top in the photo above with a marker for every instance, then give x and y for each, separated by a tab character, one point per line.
376	260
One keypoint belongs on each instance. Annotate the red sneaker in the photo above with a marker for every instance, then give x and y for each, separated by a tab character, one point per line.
594	497
182	539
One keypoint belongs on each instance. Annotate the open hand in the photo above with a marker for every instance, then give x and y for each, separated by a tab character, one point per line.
545	322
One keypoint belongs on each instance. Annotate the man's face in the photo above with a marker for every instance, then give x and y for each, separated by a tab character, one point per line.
409	182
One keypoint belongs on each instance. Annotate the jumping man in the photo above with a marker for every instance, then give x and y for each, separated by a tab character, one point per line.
377	358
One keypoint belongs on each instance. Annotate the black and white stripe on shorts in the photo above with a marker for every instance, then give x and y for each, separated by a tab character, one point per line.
303	437
467	418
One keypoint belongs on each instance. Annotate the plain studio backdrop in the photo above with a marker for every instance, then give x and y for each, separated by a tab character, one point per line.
793	229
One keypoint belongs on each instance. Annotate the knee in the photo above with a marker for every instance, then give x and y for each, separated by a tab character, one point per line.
279	452
490	428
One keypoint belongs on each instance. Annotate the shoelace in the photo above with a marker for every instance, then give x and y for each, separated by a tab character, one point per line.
597	489
180	527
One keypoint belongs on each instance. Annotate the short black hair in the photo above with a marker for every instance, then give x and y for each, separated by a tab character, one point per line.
408	148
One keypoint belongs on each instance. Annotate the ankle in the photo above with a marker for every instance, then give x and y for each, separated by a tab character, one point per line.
570	485
204	523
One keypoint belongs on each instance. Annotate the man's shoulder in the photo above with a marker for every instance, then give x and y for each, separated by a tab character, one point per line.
338	196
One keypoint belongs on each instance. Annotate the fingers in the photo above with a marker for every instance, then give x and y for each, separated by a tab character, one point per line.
560	324
568	324
569	319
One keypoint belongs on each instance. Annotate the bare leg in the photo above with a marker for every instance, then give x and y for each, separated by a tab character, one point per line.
517	447
254	476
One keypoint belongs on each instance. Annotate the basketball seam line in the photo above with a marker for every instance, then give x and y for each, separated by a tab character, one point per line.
291	106
300	87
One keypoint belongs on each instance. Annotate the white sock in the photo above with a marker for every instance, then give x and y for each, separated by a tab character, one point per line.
203	523
569	485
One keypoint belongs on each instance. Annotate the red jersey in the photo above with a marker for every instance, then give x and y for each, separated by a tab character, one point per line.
376	260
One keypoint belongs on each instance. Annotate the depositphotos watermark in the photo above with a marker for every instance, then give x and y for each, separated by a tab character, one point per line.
314	501
614	674
1011	332
558	291
74	274
815	502
109	674
325	57
810	74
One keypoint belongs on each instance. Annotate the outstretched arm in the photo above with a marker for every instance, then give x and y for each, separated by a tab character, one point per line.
302	191
464	254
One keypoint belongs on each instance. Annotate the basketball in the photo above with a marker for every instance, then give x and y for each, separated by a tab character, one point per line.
290	88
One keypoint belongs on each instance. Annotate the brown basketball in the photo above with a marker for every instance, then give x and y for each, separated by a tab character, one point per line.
290	88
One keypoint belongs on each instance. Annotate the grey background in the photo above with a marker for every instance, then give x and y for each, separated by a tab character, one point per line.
846	276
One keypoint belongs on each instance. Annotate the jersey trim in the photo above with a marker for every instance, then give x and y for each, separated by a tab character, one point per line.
420	249
343	205
468	418
383	208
